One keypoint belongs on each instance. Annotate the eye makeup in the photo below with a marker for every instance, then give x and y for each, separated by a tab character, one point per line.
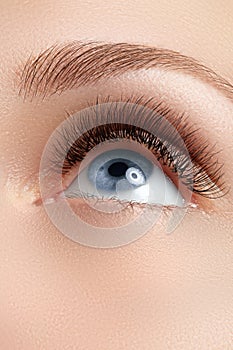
176	144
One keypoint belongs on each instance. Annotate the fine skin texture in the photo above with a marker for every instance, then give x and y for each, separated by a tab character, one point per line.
162	291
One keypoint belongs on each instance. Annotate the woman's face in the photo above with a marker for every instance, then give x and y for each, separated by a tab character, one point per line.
161	291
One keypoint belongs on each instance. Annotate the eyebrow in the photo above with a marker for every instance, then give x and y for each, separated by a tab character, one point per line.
65	66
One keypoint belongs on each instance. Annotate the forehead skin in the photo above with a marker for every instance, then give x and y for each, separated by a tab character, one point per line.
156	293
197	29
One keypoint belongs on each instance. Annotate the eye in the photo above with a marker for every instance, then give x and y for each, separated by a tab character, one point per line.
176	155
128	176
139	153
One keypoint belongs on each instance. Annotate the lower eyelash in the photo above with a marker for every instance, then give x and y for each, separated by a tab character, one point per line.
203	178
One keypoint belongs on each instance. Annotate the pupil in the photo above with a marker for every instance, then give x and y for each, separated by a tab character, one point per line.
134	176
117	169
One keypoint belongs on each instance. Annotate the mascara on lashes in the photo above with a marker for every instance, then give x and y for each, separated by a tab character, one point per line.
203	178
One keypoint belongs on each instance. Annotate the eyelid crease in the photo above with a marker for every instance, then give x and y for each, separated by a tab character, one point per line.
65	66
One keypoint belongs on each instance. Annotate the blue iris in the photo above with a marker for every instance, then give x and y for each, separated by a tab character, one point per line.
111	172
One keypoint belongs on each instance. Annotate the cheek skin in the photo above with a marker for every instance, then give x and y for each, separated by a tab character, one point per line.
158	281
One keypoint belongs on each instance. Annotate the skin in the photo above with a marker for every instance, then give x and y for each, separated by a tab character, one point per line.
161	291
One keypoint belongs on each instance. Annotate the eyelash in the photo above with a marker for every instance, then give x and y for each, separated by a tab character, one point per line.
204	178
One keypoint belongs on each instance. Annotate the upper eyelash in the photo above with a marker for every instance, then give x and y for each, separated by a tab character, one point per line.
204	178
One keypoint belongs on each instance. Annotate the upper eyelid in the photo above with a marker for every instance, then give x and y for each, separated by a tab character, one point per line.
201	151
63	67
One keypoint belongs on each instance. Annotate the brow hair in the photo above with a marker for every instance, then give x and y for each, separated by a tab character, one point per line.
65	66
